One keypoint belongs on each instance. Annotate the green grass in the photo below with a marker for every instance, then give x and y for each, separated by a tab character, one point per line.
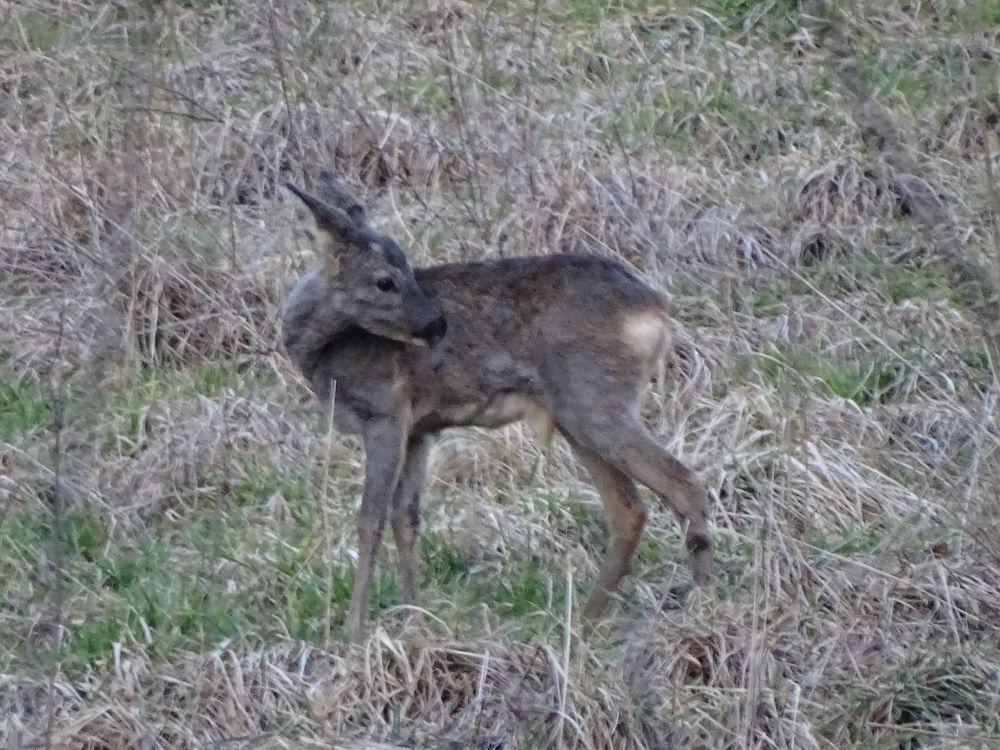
846	541
949	689
226	574
866	379
184	586
123	410
976	15
227	570
687	104
120	411
894	281
679	120
523	590
24	408
422	93
923	74
736	12
719	17
866	374
767	296
34	30
591	13
445	566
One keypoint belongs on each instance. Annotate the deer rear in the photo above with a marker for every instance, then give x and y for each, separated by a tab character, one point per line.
569	342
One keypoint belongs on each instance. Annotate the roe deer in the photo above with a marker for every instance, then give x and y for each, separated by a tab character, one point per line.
568	341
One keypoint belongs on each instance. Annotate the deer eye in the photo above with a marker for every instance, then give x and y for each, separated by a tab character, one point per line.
386	284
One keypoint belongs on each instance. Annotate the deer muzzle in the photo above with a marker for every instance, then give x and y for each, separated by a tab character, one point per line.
433	331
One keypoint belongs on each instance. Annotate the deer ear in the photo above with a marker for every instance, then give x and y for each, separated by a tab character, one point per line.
335	194
339	231
328	218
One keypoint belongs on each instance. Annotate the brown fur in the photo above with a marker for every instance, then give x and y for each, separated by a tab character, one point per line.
567	340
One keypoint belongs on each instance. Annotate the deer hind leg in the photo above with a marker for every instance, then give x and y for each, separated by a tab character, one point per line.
626	516
646	461
406	514
625	444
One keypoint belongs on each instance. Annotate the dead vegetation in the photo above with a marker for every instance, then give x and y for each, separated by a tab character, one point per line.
815	186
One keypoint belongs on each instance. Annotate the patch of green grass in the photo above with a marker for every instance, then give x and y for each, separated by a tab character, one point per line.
972	289
975	15
931	688
156	31
921	75
300	605
591	13
523	590
423	93
223	570
906	281
767	303
680	120
116	590
257	483
203	238
865	380
849	541
897	76
734	9
83	531
895	281
718	16
123	415
977	358
434	240
689	301
35	30
123	410
444	565
209	6
246	100
763	300
23	406
150	591
526	586
656	552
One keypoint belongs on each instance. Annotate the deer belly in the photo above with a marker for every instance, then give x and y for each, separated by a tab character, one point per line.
502	409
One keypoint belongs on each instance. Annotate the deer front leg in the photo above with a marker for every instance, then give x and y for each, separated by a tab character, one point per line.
406	514
384	439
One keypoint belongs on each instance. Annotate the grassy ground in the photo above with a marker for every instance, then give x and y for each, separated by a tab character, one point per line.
815	186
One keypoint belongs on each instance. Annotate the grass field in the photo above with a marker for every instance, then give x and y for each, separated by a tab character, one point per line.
813	184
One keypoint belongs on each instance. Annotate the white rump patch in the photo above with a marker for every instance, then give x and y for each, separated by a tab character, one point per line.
645	332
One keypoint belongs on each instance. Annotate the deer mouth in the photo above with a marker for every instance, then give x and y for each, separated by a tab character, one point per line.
395	335
434	331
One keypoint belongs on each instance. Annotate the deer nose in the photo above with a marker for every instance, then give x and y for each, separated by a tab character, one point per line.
433	331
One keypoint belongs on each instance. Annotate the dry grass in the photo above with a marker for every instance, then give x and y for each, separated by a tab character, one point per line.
817	188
